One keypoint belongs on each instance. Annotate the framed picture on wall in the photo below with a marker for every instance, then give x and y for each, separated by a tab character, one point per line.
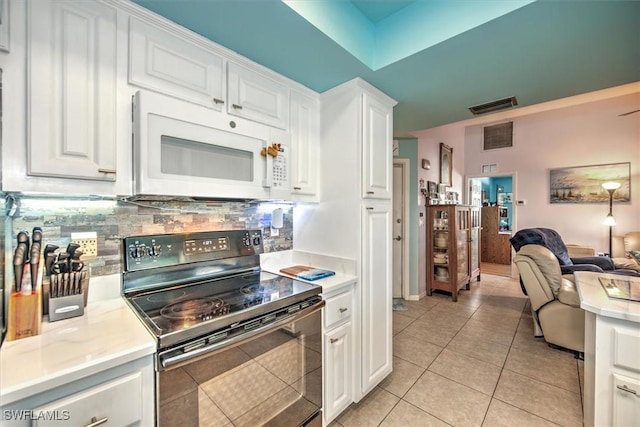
583	184
446	164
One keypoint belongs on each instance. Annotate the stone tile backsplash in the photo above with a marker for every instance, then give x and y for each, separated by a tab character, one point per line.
113	220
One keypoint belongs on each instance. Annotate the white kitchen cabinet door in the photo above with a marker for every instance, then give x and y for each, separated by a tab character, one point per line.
338	360
626	400
257	97
376	288
4	25
117	402
166	63
305	141
377	161
71	90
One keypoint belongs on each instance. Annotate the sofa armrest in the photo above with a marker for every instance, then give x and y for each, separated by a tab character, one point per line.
580	250
603	262
567	269
568	294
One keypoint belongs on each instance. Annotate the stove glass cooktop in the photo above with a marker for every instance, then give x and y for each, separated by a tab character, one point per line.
215	304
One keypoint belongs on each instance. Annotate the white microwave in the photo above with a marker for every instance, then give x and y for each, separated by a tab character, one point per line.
184	149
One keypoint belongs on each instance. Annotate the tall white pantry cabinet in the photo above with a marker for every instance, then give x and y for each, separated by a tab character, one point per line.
354	219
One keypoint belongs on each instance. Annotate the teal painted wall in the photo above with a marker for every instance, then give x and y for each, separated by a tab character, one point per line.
408	149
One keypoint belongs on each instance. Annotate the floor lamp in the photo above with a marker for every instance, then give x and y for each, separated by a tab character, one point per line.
611	187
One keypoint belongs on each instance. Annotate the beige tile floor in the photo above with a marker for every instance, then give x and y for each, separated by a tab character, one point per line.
472	363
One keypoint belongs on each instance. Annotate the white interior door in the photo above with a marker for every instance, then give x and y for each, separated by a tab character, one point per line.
398	228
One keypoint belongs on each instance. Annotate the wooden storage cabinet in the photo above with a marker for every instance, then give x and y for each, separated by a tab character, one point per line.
496	247
338	352
453	247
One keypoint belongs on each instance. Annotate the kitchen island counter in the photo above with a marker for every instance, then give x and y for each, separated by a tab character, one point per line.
107	335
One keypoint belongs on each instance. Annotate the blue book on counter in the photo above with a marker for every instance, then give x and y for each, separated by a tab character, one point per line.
315	274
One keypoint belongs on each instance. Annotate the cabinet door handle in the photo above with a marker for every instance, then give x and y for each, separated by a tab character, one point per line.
236	106
371	192
334	340
627	389
342	310
218	101
96	422
297	188
369	208
102	170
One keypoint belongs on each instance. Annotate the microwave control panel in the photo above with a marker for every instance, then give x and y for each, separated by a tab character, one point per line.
281	168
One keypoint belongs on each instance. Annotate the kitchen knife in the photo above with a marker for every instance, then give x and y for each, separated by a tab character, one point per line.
76	265
19	258
49	257
72	250
62	262
34	258
53	291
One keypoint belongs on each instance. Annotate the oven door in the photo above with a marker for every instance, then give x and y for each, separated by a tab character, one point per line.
271	378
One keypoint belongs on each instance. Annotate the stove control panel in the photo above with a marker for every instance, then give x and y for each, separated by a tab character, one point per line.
253	238
142	252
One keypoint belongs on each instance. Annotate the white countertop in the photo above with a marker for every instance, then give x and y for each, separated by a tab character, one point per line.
107	335
593	298
344	268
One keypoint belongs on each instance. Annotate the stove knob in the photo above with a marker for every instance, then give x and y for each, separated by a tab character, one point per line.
247	241
136	252
154	251
256	241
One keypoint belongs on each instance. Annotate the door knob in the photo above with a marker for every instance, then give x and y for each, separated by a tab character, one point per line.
397	238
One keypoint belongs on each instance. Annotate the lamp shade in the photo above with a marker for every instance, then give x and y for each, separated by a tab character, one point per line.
609	220
612	185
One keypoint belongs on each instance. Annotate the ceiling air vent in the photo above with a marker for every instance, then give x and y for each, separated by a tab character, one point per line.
498	136
488	107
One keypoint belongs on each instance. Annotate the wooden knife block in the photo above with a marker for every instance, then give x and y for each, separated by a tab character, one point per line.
24	313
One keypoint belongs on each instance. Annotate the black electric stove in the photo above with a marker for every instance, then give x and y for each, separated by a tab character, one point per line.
192	290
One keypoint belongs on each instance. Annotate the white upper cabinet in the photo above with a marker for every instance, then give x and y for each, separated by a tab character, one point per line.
256	97
4	25
166	63
377	161
305	141
71	90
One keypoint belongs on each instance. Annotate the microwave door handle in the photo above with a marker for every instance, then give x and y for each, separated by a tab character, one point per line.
268	177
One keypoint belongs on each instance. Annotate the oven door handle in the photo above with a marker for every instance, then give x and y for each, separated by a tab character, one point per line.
167	362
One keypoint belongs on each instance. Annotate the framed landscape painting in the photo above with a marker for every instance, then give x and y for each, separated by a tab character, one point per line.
583	184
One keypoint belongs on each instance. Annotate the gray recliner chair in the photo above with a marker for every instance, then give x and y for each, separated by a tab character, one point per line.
555	303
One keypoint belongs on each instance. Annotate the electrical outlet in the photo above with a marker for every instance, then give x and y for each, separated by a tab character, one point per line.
88	242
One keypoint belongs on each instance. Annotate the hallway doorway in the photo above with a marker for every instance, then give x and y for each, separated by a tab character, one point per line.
495	193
